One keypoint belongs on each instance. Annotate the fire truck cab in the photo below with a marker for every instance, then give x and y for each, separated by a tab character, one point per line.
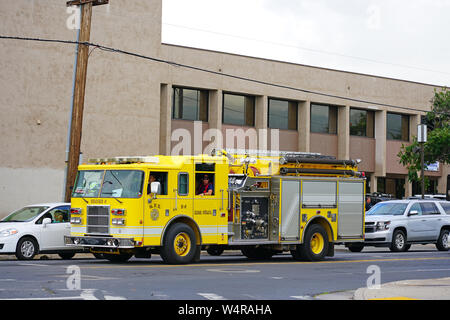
176	206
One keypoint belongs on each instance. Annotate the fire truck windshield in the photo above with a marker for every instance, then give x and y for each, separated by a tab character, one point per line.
108	184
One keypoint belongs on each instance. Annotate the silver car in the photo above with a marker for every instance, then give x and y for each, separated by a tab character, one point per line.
398	224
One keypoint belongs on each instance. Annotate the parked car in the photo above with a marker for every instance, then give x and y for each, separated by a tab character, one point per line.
398	224
38	228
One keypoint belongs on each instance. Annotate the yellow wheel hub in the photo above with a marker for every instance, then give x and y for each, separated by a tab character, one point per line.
182	244
317	243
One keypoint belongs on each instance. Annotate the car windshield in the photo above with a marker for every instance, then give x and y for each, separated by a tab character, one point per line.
25	214
109	184
387	209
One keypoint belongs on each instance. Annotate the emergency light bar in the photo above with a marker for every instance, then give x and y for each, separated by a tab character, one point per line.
121	160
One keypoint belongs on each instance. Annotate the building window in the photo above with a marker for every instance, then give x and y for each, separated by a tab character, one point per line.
190	104
362	123
323	119
238	110
397	127
282	114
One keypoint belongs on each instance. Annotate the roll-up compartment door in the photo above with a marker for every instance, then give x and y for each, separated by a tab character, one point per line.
351	209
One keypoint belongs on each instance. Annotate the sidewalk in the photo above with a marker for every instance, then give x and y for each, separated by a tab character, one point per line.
429	289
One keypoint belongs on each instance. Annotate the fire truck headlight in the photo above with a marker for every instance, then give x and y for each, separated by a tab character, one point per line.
75	220
118	221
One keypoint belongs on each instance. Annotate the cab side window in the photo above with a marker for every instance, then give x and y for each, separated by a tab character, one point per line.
183	184
204	179
162	178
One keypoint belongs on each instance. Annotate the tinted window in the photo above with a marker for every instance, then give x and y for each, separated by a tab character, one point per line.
282	114
238	110
183	184
429	208
190	104
361	123
446	207
416	207
397	127
323	119
388	209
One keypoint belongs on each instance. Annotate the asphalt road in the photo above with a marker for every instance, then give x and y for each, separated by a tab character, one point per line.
228	277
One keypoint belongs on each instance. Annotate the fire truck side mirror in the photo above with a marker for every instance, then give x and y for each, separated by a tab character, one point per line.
155	188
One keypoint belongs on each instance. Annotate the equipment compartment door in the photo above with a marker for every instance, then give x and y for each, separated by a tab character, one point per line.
351	209
290	210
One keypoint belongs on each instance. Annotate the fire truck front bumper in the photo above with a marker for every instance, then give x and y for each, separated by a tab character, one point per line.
100	242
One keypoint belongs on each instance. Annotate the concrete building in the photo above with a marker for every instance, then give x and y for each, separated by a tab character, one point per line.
135	106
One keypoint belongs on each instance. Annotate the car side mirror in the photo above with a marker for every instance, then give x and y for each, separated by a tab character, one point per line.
413	213
46	221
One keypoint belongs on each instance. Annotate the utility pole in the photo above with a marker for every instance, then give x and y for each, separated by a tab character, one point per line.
79	90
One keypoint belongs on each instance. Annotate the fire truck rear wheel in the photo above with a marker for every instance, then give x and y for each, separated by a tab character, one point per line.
180	245
315	244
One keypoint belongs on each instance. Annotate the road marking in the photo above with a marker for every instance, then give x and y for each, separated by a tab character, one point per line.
233	270
394	298
211	296
33	264
230	264
302	297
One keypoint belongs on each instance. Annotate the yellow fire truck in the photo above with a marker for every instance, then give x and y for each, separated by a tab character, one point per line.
176	206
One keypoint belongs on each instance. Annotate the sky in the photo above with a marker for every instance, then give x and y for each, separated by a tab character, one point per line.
401	39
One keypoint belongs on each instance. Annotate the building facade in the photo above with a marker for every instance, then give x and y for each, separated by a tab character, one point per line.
136	106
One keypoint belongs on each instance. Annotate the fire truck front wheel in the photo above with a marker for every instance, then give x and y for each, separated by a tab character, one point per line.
179	245
315	244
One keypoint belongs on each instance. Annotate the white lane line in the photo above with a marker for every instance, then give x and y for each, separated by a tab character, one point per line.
33	264
211	296
302	297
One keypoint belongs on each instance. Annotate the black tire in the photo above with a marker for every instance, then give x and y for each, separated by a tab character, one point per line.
27	248
215	250
98	255
315	244
259	253
66	255
442	242
179	245
121	257
398	243
356	247
297	254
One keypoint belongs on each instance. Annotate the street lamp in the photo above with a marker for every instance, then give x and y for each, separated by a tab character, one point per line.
421	139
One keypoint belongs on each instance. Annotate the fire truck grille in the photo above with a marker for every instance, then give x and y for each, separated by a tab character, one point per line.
98	219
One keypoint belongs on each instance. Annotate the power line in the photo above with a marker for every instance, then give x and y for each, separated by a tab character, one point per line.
176	64
306	49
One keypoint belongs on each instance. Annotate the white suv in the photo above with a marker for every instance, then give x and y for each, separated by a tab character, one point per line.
398	224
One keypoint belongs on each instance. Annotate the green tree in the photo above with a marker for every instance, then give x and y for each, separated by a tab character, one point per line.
437	147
